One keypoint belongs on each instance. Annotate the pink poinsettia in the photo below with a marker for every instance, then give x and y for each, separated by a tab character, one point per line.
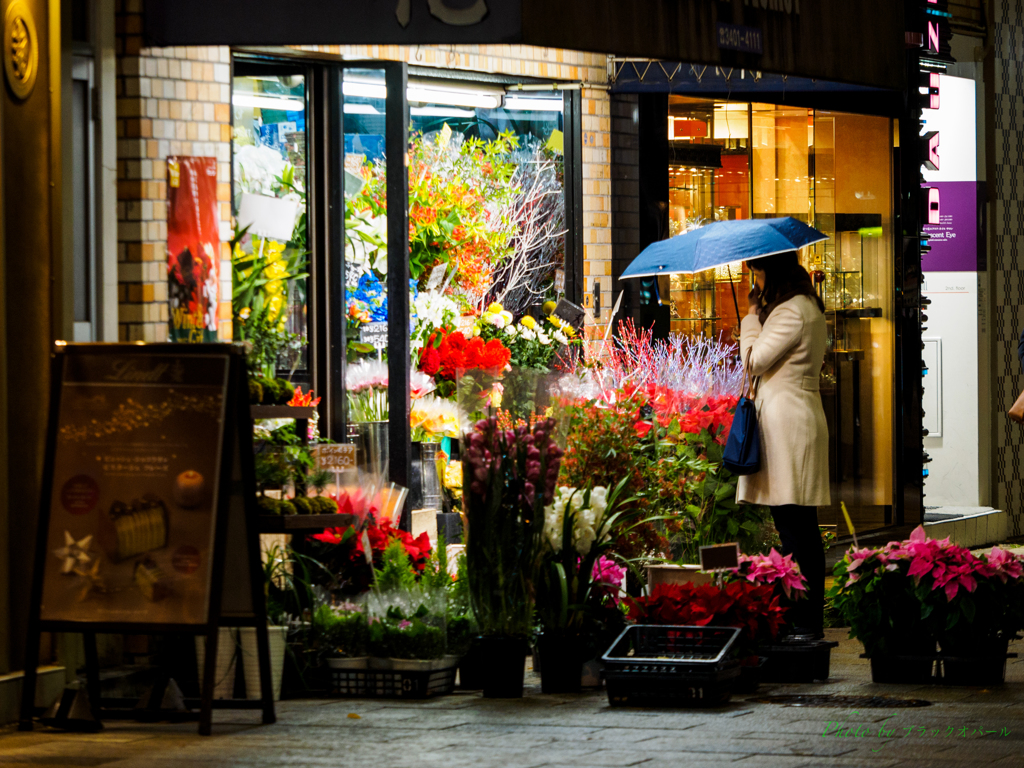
771	569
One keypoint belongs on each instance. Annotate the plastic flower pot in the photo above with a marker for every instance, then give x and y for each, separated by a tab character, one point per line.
984	664
505	666
911	663
227	658
471	668
350	662
277	637
561	663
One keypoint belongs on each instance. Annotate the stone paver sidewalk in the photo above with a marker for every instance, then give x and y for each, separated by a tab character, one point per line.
962	727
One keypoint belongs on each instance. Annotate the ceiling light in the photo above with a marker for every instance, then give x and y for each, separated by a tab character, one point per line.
265	101
458	98
534	105
441	112
425	94
361	109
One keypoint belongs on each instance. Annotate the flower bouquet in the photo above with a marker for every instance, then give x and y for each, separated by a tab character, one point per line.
509	477
902	599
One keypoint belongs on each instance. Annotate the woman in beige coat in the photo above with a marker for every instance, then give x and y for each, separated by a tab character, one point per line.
783	339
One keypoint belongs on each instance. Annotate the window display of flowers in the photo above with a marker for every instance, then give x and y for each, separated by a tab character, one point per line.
460	191
904	597
432	310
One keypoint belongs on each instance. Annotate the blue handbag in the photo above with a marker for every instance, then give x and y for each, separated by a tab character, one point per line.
742	454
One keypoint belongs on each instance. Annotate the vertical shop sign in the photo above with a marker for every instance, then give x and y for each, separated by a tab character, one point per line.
193	245
950	173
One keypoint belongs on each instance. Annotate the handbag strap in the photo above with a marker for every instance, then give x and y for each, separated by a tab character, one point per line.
750	383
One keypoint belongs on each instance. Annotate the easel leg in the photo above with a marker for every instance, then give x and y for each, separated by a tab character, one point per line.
209	681
266	683
92	672
28	683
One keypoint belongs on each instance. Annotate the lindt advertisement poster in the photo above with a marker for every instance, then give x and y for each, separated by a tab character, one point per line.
193	248
136	464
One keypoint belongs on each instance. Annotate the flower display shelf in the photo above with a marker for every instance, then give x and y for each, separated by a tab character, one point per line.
796	663
282	411
665	665
394	683
293	523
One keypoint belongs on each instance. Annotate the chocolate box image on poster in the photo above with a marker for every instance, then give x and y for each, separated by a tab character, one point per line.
136	465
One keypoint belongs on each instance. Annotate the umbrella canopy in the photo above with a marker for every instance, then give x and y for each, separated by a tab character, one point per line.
722	242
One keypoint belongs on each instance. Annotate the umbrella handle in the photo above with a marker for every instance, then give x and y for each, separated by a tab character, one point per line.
733	286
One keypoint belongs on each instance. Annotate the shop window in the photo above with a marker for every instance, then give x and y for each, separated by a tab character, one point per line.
709	180
270	250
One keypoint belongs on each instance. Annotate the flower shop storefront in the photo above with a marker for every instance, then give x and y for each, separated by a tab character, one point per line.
408	269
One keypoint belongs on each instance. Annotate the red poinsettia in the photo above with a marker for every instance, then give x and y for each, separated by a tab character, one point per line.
755	609
380	536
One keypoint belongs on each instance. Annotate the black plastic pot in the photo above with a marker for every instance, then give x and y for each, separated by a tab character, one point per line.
504	666
471	667
902	669
750	675
561	663
983	665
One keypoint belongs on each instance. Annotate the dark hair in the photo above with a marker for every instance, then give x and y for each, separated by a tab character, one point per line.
784	279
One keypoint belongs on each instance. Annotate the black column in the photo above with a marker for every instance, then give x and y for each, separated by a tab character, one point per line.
396	77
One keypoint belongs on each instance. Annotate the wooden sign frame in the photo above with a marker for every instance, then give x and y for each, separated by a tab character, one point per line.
235	541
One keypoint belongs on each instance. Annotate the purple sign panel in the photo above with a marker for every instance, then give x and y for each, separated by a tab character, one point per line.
954	239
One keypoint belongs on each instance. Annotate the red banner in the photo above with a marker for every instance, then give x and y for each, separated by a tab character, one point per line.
193	248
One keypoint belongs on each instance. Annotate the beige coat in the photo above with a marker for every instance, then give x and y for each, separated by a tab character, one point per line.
787	353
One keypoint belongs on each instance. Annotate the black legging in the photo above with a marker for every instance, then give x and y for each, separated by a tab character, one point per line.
798	529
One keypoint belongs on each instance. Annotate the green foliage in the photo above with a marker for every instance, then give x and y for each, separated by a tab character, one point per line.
344	632
398	636
396	571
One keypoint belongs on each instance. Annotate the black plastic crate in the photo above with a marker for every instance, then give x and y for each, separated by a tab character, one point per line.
803	663
672	666
392	684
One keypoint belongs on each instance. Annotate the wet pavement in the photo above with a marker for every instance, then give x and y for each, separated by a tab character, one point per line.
969	726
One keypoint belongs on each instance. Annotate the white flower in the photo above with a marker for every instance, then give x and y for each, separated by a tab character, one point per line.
511	332
543	338
527	334
560	337
366	374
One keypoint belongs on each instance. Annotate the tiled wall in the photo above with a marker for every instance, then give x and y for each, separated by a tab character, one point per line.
170	101
1007	253
530	61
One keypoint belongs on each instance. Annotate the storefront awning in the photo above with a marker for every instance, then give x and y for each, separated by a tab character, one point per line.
854	41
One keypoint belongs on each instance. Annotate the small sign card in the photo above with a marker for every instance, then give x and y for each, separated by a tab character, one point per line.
337	457
374	334
571	313
720	557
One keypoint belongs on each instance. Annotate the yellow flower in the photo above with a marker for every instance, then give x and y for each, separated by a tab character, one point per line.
453	475
495	308
528	322
548	308
244	314
276	271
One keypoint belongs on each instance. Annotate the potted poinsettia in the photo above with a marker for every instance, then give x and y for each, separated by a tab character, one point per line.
903	599
779	571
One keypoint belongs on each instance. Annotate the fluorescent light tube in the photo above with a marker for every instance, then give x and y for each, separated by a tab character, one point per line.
533	105
264	101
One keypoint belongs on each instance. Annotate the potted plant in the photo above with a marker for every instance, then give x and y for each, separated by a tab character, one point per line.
345	634
577	598
903	599
407	629
509	476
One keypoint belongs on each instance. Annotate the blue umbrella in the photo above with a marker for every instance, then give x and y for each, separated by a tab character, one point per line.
722	242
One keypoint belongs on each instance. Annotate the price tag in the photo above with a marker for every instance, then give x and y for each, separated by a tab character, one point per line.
571	313
336	458
559	281
374	334
720	557
436	277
